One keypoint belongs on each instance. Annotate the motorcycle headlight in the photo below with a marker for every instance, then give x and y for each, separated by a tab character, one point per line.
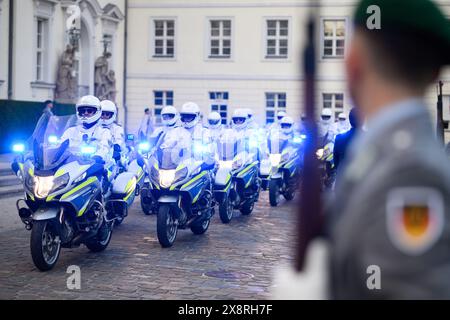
80	178
275	159
61	182
166	178
42	186
319	153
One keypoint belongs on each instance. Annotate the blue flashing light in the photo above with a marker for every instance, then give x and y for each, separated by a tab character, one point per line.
18	148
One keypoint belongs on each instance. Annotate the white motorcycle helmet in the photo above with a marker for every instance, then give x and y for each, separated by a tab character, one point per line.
239	119
281	114
342	117
109	112
326	115
287	124
190	114
169	116
89	110
214	120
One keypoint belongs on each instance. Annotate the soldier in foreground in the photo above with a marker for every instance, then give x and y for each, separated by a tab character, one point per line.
391	216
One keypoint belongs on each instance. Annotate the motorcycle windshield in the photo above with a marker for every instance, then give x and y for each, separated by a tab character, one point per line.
277	141
48	149
175	148
227	145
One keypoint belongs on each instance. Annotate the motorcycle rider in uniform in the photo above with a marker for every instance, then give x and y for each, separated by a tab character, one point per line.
89	130
214	125
326	127
251	120
342	125
170	119
239	123
108	121
89	112
276	123
200	136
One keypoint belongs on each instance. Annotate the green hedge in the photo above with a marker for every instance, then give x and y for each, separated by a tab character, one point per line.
18	119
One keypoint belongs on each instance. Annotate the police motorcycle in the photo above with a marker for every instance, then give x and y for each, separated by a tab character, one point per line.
326	165
237	184
139	164
63	204
281	165
125	181
145	150
325	149
181	186
132	175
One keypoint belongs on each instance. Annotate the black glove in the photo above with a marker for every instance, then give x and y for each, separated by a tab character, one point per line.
98	159
116	155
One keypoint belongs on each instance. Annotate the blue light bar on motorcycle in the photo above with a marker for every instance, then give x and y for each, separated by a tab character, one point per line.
53	139
18	148
144	146
87	150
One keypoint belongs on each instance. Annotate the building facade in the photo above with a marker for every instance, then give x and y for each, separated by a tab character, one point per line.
225	55
221	54
39	38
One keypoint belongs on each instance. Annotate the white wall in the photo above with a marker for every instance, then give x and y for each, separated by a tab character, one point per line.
4	20
24	42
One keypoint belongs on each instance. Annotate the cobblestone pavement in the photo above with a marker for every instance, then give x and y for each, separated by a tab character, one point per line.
234	261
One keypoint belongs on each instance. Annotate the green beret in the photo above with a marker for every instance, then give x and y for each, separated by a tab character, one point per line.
416	15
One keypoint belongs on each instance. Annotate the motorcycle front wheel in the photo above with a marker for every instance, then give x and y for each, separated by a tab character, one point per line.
226	210
102	238
166	226
274	193
45	245
290	192
146	205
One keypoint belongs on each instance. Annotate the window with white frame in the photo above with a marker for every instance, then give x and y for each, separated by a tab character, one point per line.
219	103
161	99
220	38
333	38
335	102
164	38
277	33
41	49
275	101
